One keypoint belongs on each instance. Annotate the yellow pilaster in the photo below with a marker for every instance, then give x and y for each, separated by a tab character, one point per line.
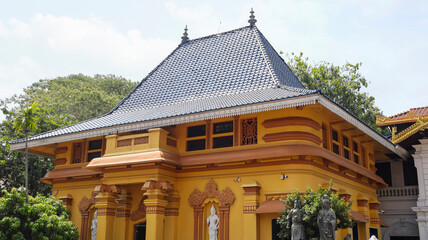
171	216
106	209
251	202
121	223
156	202
363	228
374	217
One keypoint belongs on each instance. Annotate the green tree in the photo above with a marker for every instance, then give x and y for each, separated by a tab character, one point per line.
78	97
343	84
26	122
41	218
311	203
62	101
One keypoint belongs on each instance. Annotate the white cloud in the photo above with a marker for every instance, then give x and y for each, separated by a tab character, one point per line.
198	12
48	46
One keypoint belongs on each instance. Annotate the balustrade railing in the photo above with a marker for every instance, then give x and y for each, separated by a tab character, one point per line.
398	191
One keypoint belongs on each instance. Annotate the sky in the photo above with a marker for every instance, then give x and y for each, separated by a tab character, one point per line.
47	38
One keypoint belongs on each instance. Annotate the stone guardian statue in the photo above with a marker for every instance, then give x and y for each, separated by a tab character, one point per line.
94	226
212	222
295	219
326	220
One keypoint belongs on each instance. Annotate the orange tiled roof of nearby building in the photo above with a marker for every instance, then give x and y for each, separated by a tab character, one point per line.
419	111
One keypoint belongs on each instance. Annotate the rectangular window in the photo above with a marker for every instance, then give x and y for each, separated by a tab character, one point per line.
355	149
194	145
346	153
356	159
196	131
356	152
336	148
345	141
335	141
335	135
223	127
346	150
221	142
94	149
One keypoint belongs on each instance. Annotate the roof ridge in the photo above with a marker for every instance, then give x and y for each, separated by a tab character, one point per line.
265	43
216	34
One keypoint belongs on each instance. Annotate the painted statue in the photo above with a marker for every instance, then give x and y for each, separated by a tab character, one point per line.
94	226
295	219
212	222
326	220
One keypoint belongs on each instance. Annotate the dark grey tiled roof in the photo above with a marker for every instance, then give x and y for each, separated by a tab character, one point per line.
220	71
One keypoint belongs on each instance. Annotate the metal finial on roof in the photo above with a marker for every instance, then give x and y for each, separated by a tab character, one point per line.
184	38
252	20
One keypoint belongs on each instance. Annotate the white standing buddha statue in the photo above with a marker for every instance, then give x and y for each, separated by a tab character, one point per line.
212	222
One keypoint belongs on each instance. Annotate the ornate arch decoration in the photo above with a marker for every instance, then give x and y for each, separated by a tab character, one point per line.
84	207
225	197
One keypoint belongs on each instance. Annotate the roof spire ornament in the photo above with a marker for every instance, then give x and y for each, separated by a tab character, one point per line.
184	38
252	20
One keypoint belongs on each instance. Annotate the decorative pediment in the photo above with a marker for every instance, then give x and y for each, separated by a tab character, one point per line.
225	197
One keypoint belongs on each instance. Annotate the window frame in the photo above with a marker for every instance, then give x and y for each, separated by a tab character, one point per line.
85	150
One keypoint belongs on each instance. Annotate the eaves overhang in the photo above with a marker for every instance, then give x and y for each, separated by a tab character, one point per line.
304	100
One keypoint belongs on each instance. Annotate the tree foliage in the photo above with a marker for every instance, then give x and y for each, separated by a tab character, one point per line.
42	218
62	101
343	84
312	204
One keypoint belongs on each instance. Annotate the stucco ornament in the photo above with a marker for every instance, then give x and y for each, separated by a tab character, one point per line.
326	220
212	222
295	219
94	226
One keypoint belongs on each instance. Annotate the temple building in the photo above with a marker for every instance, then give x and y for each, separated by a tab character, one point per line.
221	125
404	204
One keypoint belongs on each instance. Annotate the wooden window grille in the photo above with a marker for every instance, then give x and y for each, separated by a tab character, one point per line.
77	152
324	136
249	131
